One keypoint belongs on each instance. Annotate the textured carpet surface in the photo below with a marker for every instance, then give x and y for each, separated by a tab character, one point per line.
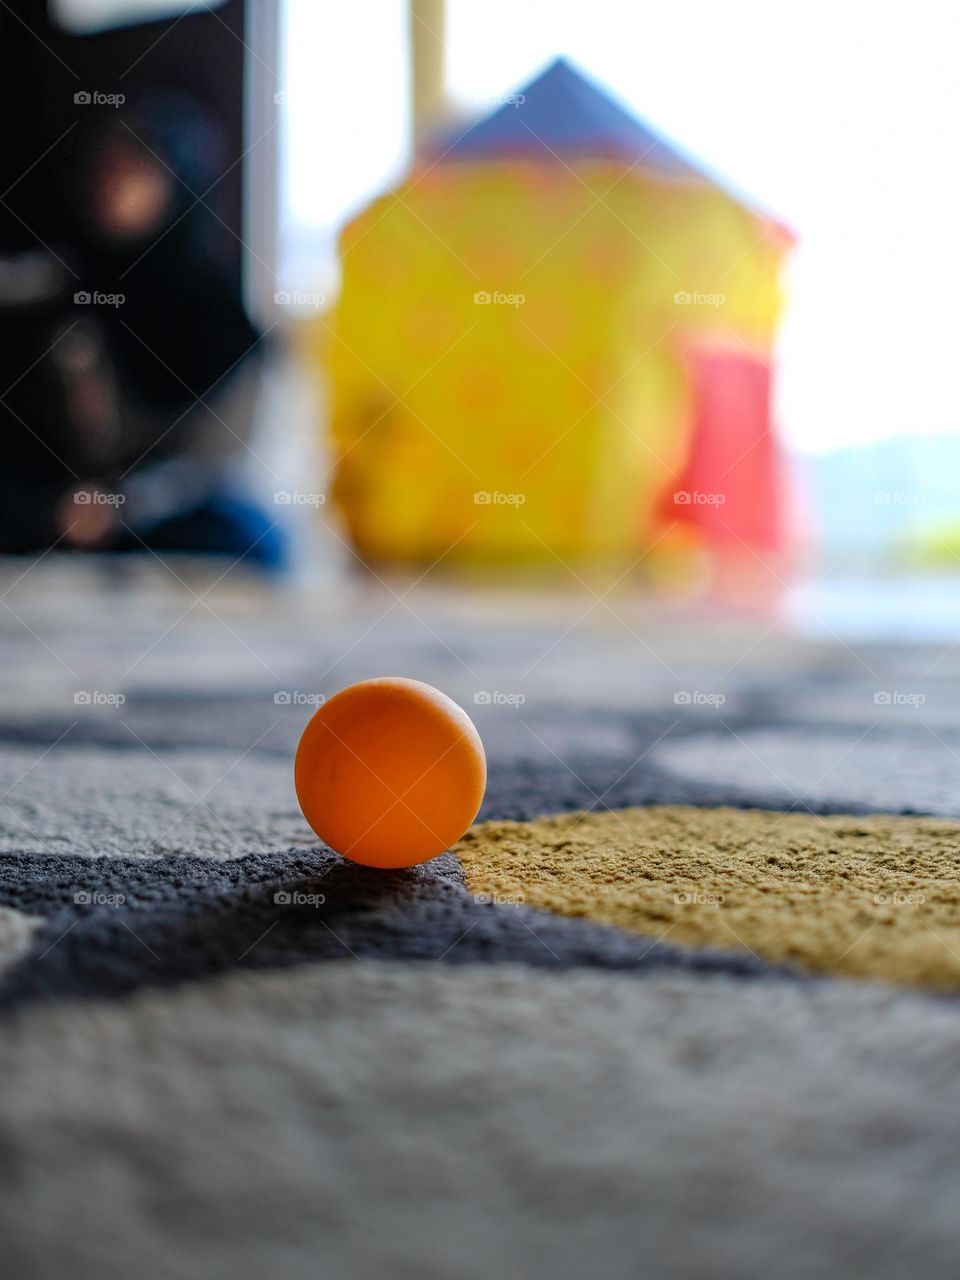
102	927
914	770
357	1120
869	897
553	1052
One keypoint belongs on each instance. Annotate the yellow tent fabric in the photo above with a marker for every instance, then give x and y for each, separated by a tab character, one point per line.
509	373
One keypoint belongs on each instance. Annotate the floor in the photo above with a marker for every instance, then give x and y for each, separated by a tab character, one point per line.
684	1000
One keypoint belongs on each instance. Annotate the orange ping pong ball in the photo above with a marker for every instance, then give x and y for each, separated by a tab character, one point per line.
390	772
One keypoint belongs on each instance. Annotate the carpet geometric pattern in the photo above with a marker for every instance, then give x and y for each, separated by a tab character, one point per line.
681	1003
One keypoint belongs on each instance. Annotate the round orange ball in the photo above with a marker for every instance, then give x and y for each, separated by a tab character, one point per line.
390	772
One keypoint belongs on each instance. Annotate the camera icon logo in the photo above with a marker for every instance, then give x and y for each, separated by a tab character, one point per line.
482	298
882	699
82	898
482	698
82	299
482	498
282	699
282	299
682	498
82	98
282	898
682	698
82	699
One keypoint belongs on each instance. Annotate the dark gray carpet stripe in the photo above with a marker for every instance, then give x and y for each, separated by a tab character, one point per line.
114	925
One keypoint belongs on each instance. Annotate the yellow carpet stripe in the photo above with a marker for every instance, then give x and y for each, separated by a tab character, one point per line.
875	897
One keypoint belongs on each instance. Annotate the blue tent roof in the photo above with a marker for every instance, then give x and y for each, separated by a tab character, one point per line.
564	112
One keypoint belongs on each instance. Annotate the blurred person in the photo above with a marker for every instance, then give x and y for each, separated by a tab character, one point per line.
131	381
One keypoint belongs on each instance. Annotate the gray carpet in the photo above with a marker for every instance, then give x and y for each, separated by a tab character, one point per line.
395	1076
356	1119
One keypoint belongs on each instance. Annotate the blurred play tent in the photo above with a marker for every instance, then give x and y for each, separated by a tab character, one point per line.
554	340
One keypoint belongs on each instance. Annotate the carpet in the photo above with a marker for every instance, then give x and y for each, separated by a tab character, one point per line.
682	1003
868	897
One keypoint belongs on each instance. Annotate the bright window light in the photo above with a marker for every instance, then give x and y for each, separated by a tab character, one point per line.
347	127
